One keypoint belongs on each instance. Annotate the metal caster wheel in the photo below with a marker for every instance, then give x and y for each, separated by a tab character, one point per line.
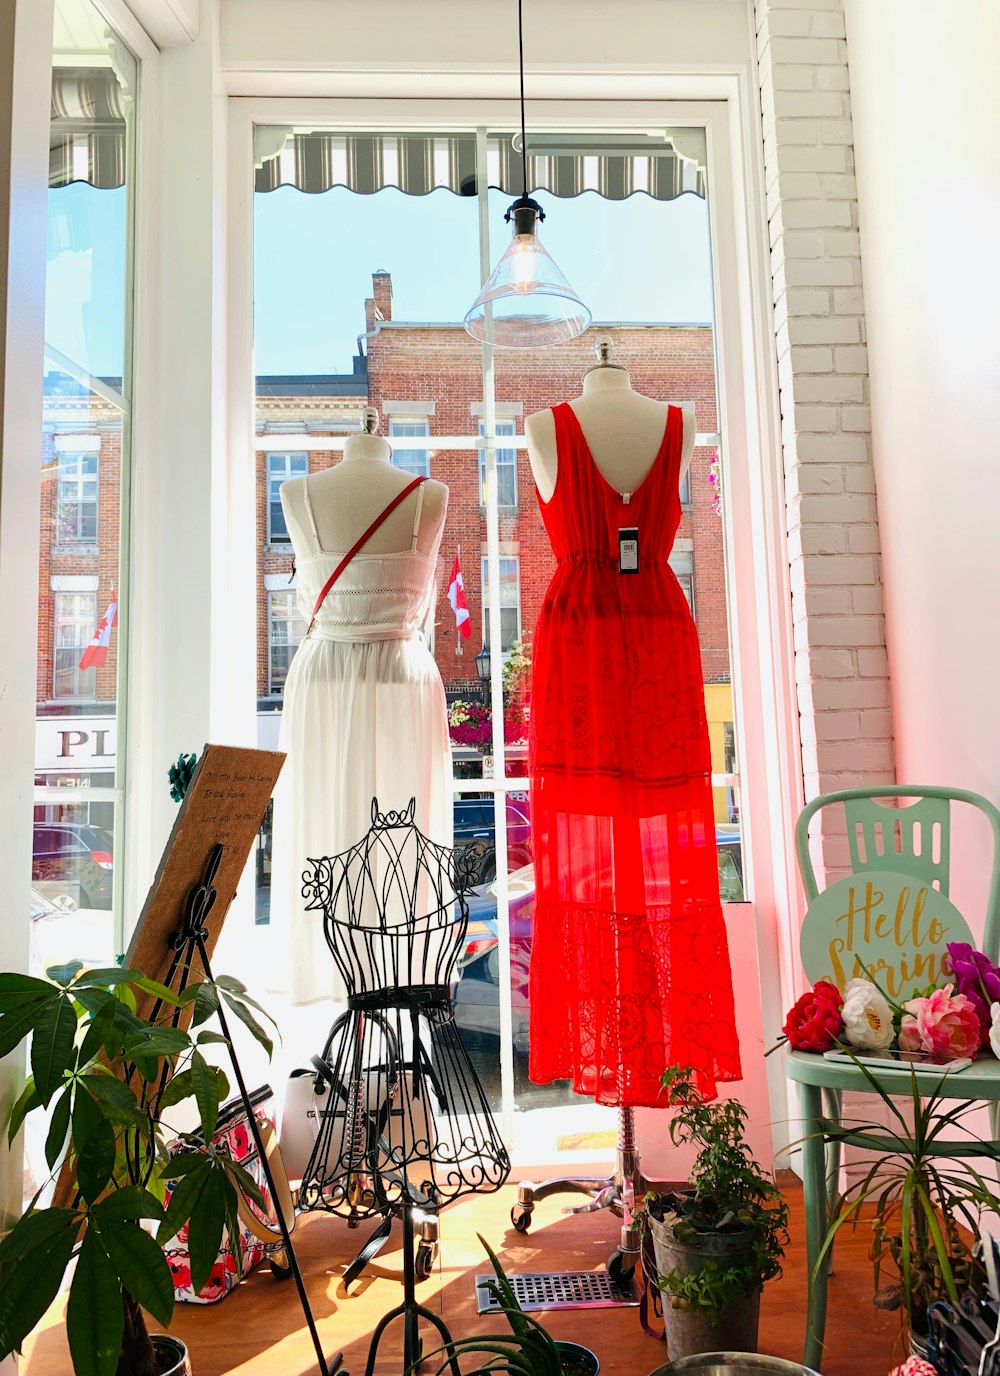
521	1219
280	1268
621	1269
426	1257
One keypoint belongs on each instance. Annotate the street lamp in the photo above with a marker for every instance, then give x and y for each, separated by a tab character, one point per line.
483	670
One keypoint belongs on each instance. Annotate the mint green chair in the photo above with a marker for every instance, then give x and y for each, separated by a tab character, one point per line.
911	843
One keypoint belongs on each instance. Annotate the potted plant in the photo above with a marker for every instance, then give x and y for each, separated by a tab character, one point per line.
528	1350
923	1208
718	1242
106	1077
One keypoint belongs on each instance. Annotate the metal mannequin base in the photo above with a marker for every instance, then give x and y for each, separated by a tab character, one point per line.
616	1192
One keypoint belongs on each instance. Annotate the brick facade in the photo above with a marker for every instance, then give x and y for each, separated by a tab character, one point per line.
839	631
435	372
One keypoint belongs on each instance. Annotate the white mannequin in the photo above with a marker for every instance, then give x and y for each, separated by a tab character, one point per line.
347	498
623	429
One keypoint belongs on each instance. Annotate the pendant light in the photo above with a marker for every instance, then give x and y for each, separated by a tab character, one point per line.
527	302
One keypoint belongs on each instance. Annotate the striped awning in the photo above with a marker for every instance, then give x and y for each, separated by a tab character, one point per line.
664	166
87	140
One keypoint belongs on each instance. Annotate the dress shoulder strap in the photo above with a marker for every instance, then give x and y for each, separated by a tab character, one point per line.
416	516
309	511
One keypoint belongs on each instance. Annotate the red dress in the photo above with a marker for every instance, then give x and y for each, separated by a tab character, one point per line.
629	964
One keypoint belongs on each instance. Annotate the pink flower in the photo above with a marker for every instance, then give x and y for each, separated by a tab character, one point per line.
944	1023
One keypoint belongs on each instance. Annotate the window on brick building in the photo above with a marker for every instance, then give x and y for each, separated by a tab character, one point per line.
686	489
506	468
510	602
75	622
415	461
285	631
281	467
76	499
683	566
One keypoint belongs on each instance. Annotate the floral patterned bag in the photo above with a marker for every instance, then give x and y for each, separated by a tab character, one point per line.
233	1135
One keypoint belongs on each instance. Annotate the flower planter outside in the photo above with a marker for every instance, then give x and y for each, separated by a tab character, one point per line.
690	1332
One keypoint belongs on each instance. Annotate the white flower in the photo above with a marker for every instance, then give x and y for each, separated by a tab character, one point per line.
867	1016
995	1028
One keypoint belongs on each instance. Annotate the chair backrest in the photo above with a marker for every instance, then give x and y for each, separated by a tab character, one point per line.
912	838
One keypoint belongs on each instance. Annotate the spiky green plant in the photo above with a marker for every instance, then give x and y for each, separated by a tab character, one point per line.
923	1207
528	1350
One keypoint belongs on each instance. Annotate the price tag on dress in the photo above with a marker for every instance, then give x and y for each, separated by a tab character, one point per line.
628	549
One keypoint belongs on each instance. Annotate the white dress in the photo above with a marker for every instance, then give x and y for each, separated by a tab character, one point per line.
364	717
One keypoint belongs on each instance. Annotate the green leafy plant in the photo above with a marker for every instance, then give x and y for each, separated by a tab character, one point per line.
528	1350
729	1195
923	1207
107	1075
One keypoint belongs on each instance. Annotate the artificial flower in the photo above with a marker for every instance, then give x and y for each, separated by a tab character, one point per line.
944	1023
815	1023
867	1016
977	978
914	1366
994	1033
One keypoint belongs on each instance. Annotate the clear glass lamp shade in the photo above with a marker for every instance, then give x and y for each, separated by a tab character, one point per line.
527	302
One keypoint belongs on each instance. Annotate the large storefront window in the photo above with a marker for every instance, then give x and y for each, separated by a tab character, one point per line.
79	772
398	216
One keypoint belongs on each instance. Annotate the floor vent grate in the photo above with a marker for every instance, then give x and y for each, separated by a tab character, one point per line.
556	1290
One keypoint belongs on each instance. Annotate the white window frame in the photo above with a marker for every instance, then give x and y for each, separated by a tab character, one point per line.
86	620
514	559
725	103
398	427
73	483
506	427
287	457
288	621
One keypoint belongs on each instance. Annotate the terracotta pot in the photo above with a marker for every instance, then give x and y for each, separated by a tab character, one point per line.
693	1331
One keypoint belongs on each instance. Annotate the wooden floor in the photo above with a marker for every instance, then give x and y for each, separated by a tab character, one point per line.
258	1330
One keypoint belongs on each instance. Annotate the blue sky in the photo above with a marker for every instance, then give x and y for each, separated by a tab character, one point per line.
314	255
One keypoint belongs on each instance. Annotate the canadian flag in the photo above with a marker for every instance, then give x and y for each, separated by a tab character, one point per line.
97	651
456	596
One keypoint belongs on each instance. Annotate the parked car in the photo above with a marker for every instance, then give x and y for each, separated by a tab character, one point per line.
75	855
60	932
475	829
476	990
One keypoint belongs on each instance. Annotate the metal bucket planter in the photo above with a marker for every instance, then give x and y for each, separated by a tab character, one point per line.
732	1364
690	1332
171	1355
578	1358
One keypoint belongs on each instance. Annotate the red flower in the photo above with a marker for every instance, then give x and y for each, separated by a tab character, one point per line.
814	1023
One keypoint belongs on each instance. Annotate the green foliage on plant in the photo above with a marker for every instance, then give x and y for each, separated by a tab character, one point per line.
517	667
108	1075
528	1350
923	1208
729	1194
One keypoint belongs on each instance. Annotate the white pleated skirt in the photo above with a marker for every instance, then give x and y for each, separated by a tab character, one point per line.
361	720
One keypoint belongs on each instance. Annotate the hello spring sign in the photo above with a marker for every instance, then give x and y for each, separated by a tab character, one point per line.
879	923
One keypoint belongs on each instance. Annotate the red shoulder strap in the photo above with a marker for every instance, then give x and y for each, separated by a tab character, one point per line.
387	511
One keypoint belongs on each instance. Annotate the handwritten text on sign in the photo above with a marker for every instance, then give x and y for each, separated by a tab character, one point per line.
889	925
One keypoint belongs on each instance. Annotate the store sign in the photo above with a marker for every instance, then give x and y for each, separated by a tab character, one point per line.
891	927
71	744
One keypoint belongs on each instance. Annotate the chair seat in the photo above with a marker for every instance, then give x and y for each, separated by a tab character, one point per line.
981	1080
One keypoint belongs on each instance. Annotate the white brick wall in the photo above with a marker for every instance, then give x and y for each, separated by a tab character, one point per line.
841	671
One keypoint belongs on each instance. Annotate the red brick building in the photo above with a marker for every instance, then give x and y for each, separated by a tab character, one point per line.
426	380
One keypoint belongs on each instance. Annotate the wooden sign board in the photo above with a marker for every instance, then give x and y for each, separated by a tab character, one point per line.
886	924
225	804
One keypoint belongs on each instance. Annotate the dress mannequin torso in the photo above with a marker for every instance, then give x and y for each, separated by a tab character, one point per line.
623	429
347	498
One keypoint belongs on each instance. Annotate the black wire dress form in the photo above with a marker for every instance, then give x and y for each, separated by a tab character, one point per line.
405	1124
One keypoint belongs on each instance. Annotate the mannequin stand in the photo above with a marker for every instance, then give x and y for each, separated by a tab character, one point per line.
615	1192
409	1311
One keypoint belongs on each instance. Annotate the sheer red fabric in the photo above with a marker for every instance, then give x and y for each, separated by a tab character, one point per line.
629	964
